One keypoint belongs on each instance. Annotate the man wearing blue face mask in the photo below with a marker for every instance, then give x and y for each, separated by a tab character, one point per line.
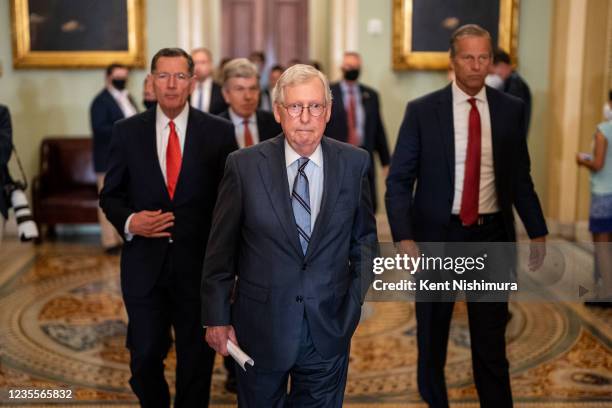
113	103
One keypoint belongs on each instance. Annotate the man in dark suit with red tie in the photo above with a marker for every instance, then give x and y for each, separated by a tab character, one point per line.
160	190
241	92
465	148
356	118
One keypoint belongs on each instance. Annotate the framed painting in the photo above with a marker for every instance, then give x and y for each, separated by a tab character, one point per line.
422	28
77	33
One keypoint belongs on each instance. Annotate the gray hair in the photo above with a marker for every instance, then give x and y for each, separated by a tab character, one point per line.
469	30
239	68
299	74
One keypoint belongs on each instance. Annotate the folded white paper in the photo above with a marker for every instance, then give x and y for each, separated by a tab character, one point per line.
240	356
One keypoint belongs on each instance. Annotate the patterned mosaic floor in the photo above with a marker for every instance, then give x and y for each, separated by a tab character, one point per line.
62	325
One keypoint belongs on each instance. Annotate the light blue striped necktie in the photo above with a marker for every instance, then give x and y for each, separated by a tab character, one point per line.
300	201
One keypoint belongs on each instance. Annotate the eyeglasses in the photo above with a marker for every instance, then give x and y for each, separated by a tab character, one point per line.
295	109
179	76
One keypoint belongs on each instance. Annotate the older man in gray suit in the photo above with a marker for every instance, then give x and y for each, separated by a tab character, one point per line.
292	221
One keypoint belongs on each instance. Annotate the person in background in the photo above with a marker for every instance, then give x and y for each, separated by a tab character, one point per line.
316	64
600	218
504	78
265	99
206	95
241	92
218	73
149	100
259	59
110	105
356	117
6	147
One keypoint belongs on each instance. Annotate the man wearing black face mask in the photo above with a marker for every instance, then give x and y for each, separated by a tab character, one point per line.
356	119
110	105
149	99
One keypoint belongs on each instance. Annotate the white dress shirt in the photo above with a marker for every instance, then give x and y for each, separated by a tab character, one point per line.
162	134
487	198
238	122
204	88
121	97
314	173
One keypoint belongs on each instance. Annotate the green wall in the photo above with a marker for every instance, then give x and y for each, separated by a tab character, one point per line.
56	102
397	88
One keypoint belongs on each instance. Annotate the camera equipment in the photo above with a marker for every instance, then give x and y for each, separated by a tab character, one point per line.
25	222
14	190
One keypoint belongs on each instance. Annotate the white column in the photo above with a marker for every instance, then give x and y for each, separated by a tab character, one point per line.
344	32
199	25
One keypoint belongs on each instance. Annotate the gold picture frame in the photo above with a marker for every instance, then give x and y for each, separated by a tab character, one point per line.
404	58
48	52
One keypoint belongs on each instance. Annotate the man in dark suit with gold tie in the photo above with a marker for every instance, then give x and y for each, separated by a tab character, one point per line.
160	190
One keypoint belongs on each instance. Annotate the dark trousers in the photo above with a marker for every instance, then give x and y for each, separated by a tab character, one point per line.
315	381
487	325
149	338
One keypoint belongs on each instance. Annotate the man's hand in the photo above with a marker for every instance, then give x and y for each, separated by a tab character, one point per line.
537	253
216	337
409	247
151	224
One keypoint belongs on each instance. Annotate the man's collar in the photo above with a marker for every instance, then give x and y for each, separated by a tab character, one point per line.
116	93
344	85
291	155
180	121
459	96
237	119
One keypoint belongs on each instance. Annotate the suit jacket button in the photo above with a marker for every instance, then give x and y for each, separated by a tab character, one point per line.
304	267
299	299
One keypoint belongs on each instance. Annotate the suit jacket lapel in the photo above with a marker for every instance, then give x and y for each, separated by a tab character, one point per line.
496	130
117	112
273	174
445	119
189	157
333	175
149	146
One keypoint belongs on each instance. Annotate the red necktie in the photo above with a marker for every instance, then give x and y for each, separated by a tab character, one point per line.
471	180
350	118
173	160
248	137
